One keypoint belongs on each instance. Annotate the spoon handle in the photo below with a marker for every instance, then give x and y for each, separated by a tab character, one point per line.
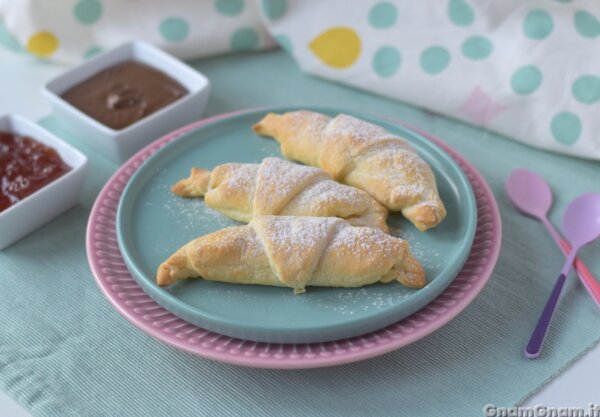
586	277
533	348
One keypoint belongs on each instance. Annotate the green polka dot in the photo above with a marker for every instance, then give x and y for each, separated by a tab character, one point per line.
537	24
88	12
587	25
526	80
174	29
566	128
435	60
477	47
383	15
286	43
229	7
274	9
244	39
386	61
7	40
586	89
91	52
460	12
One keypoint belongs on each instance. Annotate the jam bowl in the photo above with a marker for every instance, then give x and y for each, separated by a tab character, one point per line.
48	198
121	100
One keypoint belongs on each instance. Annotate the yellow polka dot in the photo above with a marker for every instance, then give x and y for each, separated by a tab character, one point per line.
338	47
42	44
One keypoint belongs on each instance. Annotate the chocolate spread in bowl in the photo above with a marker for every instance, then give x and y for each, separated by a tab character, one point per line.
124	93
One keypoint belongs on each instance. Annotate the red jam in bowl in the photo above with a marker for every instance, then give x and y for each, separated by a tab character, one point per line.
26	165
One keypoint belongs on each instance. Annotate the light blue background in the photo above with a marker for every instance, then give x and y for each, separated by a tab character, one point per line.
65	352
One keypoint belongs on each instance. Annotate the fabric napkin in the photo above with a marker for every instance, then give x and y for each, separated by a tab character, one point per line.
71	31
527	70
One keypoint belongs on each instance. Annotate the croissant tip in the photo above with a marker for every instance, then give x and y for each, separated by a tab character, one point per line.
163	276
178	188
196	185
414	278
257	128
261	128
425	216
412	273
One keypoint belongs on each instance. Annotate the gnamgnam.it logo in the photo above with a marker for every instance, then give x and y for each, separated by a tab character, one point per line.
540	410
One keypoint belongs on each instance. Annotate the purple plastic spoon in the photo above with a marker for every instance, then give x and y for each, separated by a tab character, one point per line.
532	196
581	225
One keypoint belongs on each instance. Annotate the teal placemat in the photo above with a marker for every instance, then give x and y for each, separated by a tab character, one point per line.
65	352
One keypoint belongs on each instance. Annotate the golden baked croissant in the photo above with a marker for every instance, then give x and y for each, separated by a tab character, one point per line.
276	186
363	155
295	252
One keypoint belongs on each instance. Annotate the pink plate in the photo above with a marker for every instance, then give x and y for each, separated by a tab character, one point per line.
132	302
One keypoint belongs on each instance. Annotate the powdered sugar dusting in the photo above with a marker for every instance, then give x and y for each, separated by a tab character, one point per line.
325	191
189	213
430	258
344	125
354	301
291	234
310	122
242	177
403	169
366	239
278	182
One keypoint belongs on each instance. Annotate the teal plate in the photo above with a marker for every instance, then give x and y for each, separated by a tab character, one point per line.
152	223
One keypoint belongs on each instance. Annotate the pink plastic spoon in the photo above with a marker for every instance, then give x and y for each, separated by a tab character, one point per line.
533	197
581	225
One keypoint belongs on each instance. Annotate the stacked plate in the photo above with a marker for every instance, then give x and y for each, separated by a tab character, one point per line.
136	223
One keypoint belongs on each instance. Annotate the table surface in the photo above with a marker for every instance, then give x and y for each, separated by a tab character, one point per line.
21	78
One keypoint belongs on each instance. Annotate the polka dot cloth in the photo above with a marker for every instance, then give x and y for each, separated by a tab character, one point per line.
244	39
337	47
386	61
460	12
477	47
274	9
434	60
229	7
77	30
174	29
586	24
383	15
526	80
529	70
88	12
7	40
498	71
92	52
42	44
586	89
537	24
285	42
566	128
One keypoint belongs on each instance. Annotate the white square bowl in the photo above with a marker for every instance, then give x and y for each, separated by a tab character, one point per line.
119	145
49	201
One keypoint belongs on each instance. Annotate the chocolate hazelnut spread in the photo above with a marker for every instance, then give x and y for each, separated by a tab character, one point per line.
124	93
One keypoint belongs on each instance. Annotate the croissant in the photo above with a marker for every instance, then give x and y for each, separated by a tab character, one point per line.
279	187
363	155
295	252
